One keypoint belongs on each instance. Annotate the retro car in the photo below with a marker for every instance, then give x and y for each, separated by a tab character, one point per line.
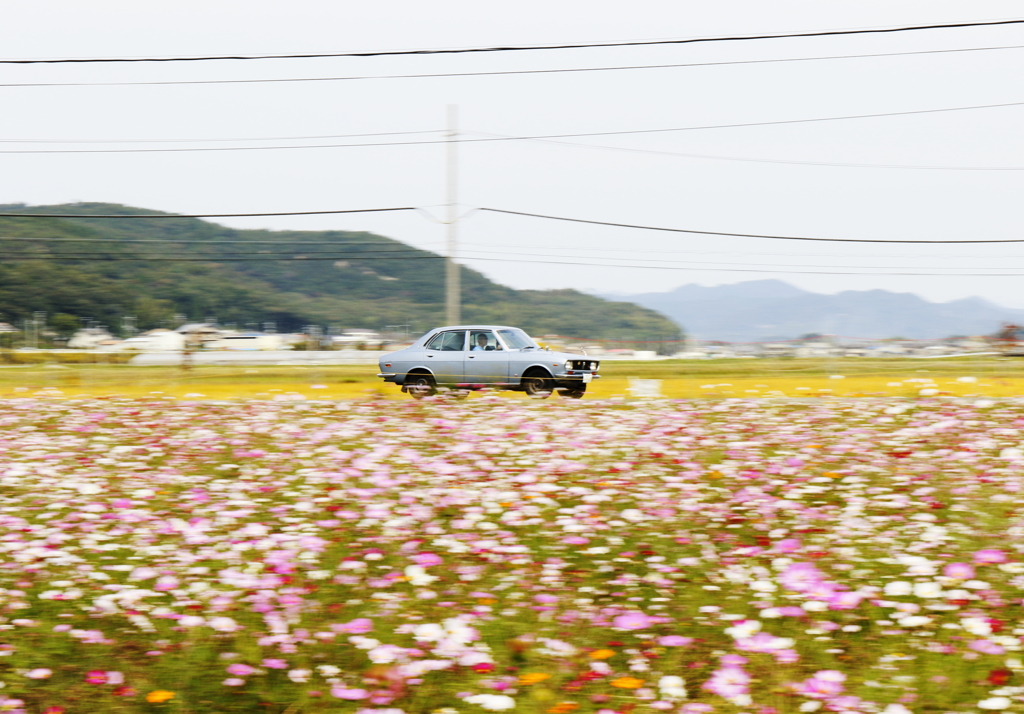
471	357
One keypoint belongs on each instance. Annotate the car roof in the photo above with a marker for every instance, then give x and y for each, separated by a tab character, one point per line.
475	327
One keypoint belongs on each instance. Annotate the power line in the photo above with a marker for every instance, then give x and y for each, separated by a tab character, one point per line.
712	262
741	235
484	247
876	273
790	162
522	48
194	242
205	215
728	252
522	213
501	138
197	141
429	75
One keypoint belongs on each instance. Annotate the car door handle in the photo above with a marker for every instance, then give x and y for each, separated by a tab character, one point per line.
430	355
472	356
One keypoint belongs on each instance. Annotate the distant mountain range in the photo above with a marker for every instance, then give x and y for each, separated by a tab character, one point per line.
772	309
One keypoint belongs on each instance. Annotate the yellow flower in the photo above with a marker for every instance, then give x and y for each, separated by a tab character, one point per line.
627	683
159	695
601	654
563	708
533	677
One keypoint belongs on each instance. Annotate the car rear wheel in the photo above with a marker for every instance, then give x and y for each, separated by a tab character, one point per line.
537	386
421	385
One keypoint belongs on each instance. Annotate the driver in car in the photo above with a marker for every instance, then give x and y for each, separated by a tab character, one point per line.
481	343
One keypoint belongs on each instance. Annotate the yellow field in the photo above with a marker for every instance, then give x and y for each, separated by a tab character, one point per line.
359	382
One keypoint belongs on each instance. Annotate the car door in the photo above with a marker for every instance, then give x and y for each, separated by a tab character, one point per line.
445	354
486	359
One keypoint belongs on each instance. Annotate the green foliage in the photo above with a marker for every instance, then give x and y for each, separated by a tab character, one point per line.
362	291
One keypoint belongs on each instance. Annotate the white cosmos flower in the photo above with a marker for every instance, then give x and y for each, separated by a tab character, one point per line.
429	632
223	624
743	629
928	590
898	587
896	709
299	676
995	703
672	687
492	702
976	625
417	575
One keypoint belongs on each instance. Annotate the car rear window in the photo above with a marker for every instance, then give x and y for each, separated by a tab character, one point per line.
448	342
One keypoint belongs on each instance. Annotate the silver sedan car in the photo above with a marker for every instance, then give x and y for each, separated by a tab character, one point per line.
468	357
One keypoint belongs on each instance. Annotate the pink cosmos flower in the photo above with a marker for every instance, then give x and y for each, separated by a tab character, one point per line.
427	559
987	647
166	582
240	670
845	601
275	664
358	626
96	676
960	571
233	682
632	621
824	684
787	545
989	556
728	682
544	599
800	577
675	641
340	692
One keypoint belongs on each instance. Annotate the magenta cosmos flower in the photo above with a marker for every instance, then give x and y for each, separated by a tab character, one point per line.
960	571
632	621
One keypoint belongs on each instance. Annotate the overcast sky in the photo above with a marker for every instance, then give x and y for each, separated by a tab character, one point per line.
593	183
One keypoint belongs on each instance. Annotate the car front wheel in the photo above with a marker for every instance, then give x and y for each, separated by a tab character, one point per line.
572	393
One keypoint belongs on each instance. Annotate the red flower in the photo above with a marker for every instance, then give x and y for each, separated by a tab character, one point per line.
999	677
483	667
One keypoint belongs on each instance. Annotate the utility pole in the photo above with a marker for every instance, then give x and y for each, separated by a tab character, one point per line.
452	288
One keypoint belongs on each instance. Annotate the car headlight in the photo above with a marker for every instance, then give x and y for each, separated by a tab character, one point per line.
568	364
593	366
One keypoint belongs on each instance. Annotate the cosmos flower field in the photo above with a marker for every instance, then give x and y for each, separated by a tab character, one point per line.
834	555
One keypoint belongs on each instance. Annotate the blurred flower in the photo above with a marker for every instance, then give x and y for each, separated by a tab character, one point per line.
492	702
627	683
158	696
533	677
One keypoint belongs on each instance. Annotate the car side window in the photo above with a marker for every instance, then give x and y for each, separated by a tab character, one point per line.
448	342
483	341
436	341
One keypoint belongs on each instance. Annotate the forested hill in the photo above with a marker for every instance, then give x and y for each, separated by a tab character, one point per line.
367	280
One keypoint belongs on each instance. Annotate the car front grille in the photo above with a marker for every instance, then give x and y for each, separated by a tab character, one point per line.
584	364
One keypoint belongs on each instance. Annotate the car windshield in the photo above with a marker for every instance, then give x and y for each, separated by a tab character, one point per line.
516	339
